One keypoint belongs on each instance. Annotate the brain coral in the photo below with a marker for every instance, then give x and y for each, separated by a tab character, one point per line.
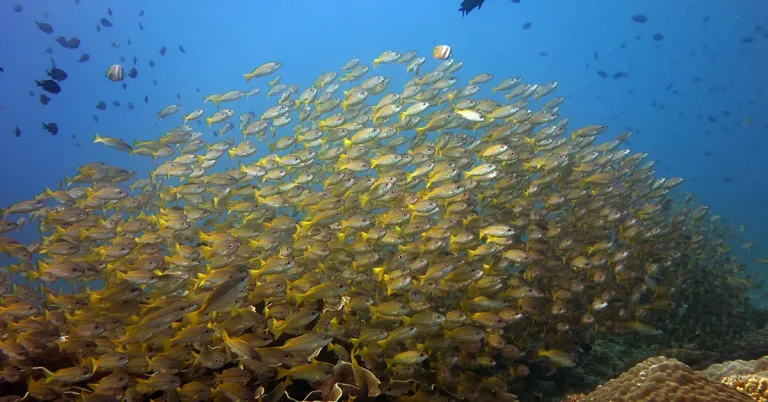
736	367
659	379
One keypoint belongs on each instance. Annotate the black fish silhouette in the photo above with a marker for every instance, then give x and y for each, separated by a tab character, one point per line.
52	128
49	86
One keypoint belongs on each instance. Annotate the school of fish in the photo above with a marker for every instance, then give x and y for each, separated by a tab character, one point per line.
391	241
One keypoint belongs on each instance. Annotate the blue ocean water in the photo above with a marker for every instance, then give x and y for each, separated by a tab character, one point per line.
694	100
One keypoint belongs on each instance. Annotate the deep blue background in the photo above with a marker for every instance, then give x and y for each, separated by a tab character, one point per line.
225	39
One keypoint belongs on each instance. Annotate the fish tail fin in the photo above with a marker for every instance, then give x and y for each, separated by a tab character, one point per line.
281	373
248	77
277	333
47	372
194	318
379	273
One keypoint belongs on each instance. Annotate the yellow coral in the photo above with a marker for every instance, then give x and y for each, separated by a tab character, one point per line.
755	385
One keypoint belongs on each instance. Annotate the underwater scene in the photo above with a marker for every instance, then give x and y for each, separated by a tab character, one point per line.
437	200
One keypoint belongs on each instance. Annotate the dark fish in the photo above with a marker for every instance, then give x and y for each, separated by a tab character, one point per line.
98	28
105	22
146	98
45	27
178	96
116	103
101	105
726	113
151	63
141	27
162	50
17	130
619	75
116	44
602	73
669	86
141	13
154	82
639	18
468	5
73	42
727	180
747	39
705	20
707	153
49	50
122	59
711	119
31	93
52	128
527	25
95	118
658	37
198	89
2	70
133	72
57	73
129	42
62	41
44	99
181	49
125	86
595	55
134	60
697	79
49	86
84	57
109	11
18	8
130	106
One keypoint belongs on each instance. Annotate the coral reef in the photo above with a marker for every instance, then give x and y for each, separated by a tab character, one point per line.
736	368
755	385
662	379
